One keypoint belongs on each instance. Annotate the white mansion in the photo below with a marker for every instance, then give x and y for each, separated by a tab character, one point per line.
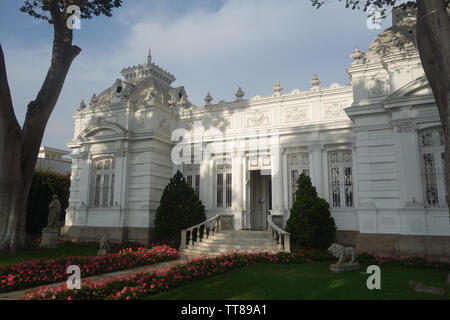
373	149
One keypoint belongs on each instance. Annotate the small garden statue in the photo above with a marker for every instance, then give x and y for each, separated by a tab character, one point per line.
342	253
104	246
50	233
54	210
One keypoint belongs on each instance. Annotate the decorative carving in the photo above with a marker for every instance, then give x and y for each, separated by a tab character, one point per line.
377	87
121	89
164	124
171	101
404	126
335	110
257	118
182	102
296	114
141	115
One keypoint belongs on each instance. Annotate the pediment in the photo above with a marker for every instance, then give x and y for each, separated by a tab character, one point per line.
417	87
101	128
100	132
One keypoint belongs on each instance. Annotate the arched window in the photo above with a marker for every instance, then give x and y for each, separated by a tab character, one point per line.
431	148
340	178
102	194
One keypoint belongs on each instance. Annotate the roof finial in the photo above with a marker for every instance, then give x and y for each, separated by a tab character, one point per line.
357	55
277	88
149	57
208	99
315	81
239	94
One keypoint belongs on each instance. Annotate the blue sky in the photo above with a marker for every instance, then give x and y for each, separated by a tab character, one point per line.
209	45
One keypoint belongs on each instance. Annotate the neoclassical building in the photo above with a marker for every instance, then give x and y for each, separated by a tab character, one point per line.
373	149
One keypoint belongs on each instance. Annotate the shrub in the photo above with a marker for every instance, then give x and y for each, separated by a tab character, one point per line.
310	223
179	209
43	186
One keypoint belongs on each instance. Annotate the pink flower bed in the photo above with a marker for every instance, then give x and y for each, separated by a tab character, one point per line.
413	262
38	272
138	285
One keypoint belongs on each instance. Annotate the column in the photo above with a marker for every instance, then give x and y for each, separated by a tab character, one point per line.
316	169
204	183
405	134
277	182
237	188
286	187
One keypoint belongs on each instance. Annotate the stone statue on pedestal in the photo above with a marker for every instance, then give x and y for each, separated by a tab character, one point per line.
342	253
54	210
104	246
50	233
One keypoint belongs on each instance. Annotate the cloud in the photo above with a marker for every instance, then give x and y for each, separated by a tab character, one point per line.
209	47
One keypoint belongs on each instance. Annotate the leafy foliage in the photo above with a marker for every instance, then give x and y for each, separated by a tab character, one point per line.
383	5
179	209
40	9
310	223
43	186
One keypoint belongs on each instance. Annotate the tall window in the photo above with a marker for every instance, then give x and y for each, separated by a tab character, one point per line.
298	163
224	185
431	146
340	177
102	195
192	173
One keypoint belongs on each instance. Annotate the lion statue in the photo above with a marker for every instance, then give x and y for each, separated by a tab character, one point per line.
104	246
342	252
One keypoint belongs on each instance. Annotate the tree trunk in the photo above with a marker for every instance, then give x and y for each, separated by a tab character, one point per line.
19	148
12	191
433	34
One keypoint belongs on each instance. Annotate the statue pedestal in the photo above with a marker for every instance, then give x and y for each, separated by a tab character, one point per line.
49	238
103	252
344	267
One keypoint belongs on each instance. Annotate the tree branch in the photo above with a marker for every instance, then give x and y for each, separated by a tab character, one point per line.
40	109
7	114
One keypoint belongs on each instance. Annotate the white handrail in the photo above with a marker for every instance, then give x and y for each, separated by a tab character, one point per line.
280	236
216	227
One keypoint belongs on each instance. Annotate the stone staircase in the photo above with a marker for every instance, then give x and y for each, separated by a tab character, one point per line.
230	240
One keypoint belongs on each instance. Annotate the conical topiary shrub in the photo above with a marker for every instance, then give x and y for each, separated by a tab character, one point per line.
310	223
179	209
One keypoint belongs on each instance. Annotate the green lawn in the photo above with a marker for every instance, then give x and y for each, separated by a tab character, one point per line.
307	281
46	253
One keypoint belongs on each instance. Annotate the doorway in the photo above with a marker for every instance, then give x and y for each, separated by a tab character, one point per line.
260	198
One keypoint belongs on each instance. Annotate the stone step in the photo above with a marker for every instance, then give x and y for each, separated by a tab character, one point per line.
234	244
237	236
227	248
231	240
200	253
235	241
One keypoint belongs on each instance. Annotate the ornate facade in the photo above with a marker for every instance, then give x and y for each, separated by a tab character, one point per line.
373	149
